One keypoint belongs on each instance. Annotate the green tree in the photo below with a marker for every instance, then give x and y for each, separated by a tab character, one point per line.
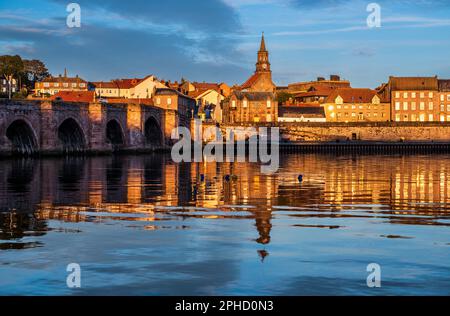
283	97
34	70
11	66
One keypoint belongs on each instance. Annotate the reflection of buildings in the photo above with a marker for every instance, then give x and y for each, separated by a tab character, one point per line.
33	191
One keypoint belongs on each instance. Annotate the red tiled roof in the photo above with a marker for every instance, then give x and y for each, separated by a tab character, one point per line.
352	95
316	91
75	96
250	81
206	86
119	83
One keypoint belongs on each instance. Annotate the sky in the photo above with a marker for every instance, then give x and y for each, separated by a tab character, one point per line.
217	40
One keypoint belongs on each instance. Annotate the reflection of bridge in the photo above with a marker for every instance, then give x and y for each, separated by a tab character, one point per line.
55	127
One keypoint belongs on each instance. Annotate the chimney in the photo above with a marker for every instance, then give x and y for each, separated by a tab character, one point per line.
65	72
320	78
335	78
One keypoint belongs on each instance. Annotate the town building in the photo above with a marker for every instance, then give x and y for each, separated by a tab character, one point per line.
293	113
5	85
356	105
255	100
208	104
334	82
128	88
188	87
416	99
171	99
52	85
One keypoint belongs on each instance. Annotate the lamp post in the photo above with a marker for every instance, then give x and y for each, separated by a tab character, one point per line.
9	86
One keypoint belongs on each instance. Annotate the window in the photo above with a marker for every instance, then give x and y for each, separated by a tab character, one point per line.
353	107
4	89
169	101
46	84
422	95
442	118
397	106
405	106
245	103
269	104
448	97
13	89
158	101
397	95
431	118
397	117
430	95
82	85
56	84
430	106
442	98
413	106
4	81
422	117
354	114
338	107
442	108
65	84
405	95
422	106
233	103
448	107
413	95
413	117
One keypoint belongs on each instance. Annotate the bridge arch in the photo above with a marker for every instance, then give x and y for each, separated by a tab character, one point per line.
114	134
153	132
71	136
22	137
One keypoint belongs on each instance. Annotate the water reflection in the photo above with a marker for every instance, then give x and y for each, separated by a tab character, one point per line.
383	195
403	190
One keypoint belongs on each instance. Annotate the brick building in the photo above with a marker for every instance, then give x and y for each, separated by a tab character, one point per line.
356	105
53	85
416	99
4	86
255	100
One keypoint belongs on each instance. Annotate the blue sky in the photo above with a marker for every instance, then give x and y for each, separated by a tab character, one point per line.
217	40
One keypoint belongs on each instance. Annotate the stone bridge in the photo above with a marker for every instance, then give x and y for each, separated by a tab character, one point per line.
55	127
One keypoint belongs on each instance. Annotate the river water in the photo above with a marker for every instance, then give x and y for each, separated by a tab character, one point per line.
143	225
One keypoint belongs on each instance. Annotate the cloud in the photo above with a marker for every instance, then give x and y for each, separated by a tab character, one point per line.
193	39
198	15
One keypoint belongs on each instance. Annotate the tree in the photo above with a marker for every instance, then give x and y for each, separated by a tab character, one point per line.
11	66
34	70
283	97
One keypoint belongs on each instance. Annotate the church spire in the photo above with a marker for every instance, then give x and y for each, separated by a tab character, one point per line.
263	44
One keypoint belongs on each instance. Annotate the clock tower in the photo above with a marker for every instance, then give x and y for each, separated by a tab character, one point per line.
263	65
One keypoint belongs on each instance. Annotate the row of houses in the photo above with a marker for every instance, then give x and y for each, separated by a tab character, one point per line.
203	99
401	99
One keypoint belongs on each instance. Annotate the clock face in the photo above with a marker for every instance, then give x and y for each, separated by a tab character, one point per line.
264	66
